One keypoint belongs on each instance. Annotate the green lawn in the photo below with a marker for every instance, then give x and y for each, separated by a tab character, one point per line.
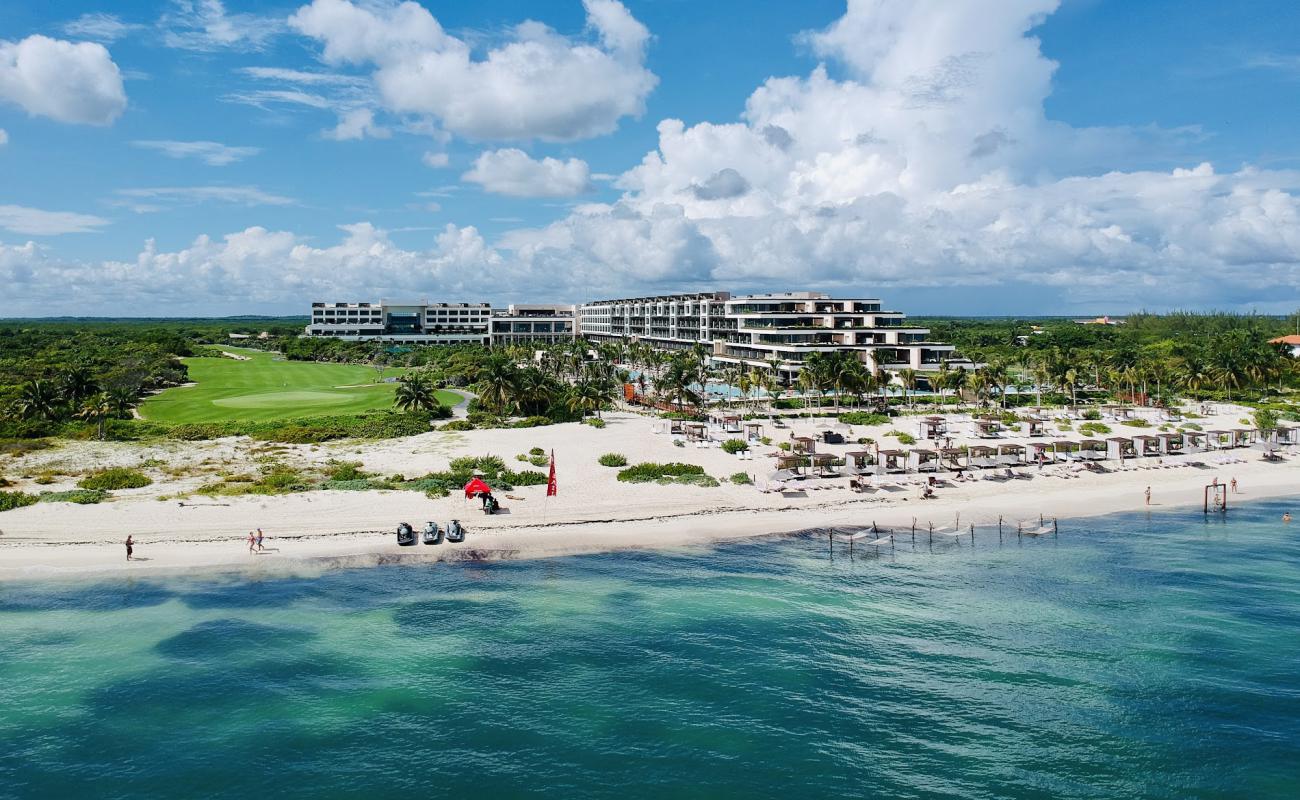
267	388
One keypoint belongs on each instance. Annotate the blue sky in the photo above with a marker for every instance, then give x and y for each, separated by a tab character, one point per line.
1034	156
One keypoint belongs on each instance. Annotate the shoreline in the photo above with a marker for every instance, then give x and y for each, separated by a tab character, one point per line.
178	531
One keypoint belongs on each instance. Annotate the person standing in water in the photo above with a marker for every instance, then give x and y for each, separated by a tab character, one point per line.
130	548
1148	493
1286	516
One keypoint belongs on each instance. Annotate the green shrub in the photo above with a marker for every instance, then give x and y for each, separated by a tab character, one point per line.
706	481
1191	426
11	500
528	477
1092	413
45	479
532	422
784	446
345	471
765	440
734	446
906	438
85	497
115	478
356	485
1136	423
484	419
595	422
863	418
1094	428
458	425
522	457
741	478
613	460
536	451
539	461
649	471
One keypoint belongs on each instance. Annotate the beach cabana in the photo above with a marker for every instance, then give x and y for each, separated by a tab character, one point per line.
1092	450
1286	435
695	431
1242	437
676	426
924	460
932	427
1064	449
1146	445
1011	455
824	463
1218	440
1035	426
730	423
1120	448
985	428
892	461
1041	453
794	464
803	444
860	462
952	458
753	431
983	457
1194	441
1171	444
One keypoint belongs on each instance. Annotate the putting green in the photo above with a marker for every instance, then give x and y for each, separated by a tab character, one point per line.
265	387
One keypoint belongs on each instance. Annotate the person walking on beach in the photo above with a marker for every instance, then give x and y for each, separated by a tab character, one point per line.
252	541
1148	493
130	548
259	540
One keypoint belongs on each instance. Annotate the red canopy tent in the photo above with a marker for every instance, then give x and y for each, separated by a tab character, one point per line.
477	486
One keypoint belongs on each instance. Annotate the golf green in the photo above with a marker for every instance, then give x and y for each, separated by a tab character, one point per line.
262	386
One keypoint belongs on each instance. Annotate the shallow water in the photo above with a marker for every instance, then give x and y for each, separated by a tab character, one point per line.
1129	657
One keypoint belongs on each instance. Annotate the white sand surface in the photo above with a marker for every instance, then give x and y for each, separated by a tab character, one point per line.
312	531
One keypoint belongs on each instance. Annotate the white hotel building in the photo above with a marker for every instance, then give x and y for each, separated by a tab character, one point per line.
442	323
754	330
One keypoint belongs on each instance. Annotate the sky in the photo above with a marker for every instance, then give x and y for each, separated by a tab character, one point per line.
201	157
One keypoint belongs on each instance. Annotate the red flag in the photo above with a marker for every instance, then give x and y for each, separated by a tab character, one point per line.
552	489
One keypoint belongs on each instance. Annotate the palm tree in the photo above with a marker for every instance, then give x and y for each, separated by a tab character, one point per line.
77	384
37	400
586	397
96	410
498	384
908	378
415	393
678	381
122	398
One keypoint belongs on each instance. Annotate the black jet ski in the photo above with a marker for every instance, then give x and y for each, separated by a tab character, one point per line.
405	535
455	533
432	533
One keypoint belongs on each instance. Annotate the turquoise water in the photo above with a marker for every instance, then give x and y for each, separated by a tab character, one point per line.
1130	657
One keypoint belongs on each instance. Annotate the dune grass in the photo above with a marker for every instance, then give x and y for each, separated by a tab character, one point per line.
264	387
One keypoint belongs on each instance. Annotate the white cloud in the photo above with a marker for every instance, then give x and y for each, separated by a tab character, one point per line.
511	172
299	76
204	25
100	27
211	153
435	160
61	80
265	98
37	222
4	137
358	123
421	69
159	198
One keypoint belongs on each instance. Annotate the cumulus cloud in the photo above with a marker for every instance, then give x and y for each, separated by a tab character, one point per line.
212	153
61	80
512	172
38	222
358	123
422	69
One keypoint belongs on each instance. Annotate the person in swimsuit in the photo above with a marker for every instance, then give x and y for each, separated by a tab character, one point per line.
130	547
252	541
259	540
1286	517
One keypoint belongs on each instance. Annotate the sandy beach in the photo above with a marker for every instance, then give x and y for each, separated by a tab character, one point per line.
177	531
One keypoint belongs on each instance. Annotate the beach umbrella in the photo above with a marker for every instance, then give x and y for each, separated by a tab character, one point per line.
477	486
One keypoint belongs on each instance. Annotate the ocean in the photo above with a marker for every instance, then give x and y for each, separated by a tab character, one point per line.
1131	656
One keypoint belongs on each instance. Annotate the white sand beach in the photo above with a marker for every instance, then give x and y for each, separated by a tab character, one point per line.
313	531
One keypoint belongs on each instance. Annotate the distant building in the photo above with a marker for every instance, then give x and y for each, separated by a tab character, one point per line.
764	329
1105	320
441	323
1291	342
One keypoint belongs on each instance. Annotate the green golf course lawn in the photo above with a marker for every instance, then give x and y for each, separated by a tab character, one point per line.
265	387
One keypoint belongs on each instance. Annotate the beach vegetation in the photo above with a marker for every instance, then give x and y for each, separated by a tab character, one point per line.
733	446
741	478
458	425
1265	418
1137	422
536	451
863	418
1094	428
906	438
646	472
595	422
115	478
85	497
613	460
12	500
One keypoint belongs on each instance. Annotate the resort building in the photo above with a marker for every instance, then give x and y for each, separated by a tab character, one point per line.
763	329
441	323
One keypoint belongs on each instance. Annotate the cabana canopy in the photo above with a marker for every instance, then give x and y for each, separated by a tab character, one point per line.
477	486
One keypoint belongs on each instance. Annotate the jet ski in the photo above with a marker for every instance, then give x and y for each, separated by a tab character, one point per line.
405	535
455	533
432	533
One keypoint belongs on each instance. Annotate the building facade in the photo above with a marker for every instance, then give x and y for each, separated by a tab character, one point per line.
766	329
441	323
